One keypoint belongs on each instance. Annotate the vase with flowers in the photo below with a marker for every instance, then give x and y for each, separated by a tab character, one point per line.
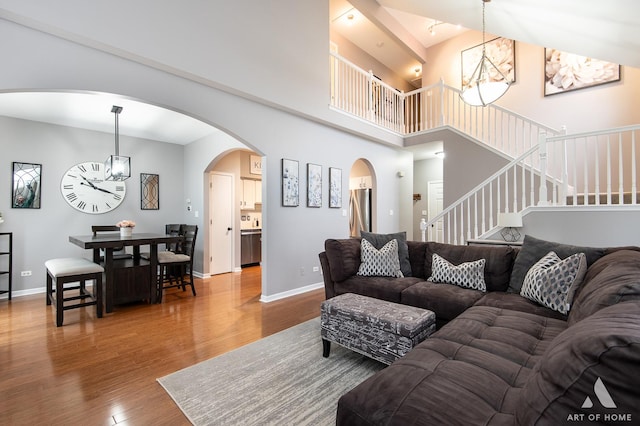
126	227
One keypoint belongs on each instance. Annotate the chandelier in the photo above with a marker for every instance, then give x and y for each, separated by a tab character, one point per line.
486	85
117	167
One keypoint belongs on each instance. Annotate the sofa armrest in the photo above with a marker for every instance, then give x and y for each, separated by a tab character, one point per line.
329	290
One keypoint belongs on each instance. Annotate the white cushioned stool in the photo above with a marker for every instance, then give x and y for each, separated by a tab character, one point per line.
71	270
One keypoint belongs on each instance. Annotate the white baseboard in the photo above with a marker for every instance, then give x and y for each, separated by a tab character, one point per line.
27	292
263	298
201	275
290	293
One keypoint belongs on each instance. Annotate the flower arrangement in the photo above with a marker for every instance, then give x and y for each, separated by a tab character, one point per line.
126	224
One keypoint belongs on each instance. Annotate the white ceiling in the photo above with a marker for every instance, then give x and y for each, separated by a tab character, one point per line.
384	36
92	111
396	32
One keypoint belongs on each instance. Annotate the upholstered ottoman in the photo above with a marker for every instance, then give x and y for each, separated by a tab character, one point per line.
382	330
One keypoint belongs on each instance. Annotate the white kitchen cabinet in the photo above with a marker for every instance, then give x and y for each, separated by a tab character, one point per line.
248	194
258	197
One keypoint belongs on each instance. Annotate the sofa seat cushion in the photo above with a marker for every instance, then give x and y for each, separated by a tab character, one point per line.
446	300
384	288
469	372
612	279
601	351
515	302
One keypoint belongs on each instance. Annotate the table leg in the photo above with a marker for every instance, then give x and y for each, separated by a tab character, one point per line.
109	273
155	286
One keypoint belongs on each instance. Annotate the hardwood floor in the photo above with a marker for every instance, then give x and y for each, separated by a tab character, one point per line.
103	371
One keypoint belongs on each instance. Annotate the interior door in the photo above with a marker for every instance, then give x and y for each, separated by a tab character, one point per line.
221	226
436	204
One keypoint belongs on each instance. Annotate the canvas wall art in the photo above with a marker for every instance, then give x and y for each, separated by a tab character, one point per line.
290	183
335	187
564	72
314	185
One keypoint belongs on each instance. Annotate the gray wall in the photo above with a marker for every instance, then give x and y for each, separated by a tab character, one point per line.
186	74
41	234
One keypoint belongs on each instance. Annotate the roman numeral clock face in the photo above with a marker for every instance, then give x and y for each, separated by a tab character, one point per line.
84	188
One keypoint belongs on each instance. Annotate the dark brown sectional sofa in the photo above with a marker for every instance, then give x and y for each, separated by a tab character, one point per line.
497	357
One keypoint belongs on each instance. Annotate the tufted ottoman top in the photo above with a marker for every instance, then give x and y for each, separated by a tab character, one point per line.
402	320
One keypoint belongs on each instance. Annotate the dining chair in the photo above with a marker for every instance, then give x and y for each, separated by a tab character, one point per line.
118	252
169	229
174	266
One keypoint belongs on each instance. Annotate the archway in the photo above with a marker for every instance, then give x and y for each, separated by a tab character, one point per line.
361	198
235	224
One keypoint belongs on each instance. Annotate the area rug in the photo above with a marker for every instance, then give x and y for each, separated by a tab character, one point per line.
279	380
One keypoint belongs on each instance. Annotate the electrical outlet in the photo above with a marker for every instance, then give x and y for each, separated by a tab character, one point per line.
25	273
302	271
316	269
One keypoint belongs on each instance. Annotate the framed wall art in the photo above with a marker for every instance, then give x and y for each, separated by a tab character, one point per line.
314	185
26	185
149	191
335	187
564	72
501	51
290	183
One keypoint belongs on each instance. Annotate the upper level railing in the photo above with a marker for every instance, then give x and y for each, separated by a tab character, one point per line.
360	93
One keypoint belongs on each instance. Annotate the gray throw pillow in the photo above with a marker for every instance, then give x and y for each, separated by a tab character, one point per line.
533	249
552	281
466	275
380	263
379	240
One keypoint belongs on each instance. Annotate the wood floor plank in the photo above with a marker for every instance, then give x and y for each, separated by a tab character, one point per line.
104	371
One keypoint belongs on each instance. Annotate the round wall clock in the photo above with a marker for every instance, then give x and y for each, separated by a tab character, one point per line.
83	186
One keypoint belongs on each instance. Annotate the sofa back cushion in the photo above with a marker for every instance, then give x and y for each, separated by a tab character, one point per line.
592	364
533	249
343	256
497	269
611	279
417	253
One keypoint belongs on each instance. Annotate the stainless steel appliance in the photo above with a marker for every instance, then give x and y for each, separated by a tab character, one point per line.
359	211
250	247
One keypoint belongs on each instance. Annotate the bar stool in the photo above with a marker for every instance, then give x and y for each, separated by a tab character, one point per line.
71	270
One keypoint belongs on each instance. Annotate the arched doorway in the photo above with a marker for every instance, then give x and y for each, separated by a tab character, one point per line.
361	198
235	211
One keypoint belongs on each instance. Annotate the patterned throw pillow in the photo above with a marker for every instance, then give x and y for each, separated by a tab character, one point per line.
379	263
553	281
467	274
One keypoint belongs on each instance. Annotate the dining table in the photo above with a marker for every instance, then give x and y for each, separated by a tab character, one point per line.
128	279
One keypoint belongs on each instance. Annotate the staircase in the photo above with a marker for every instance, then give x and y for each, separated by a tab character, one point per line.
548	168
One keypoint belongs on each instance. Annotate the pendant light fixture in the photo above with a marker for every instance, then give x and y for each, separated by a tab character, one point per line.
117	167
487	83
